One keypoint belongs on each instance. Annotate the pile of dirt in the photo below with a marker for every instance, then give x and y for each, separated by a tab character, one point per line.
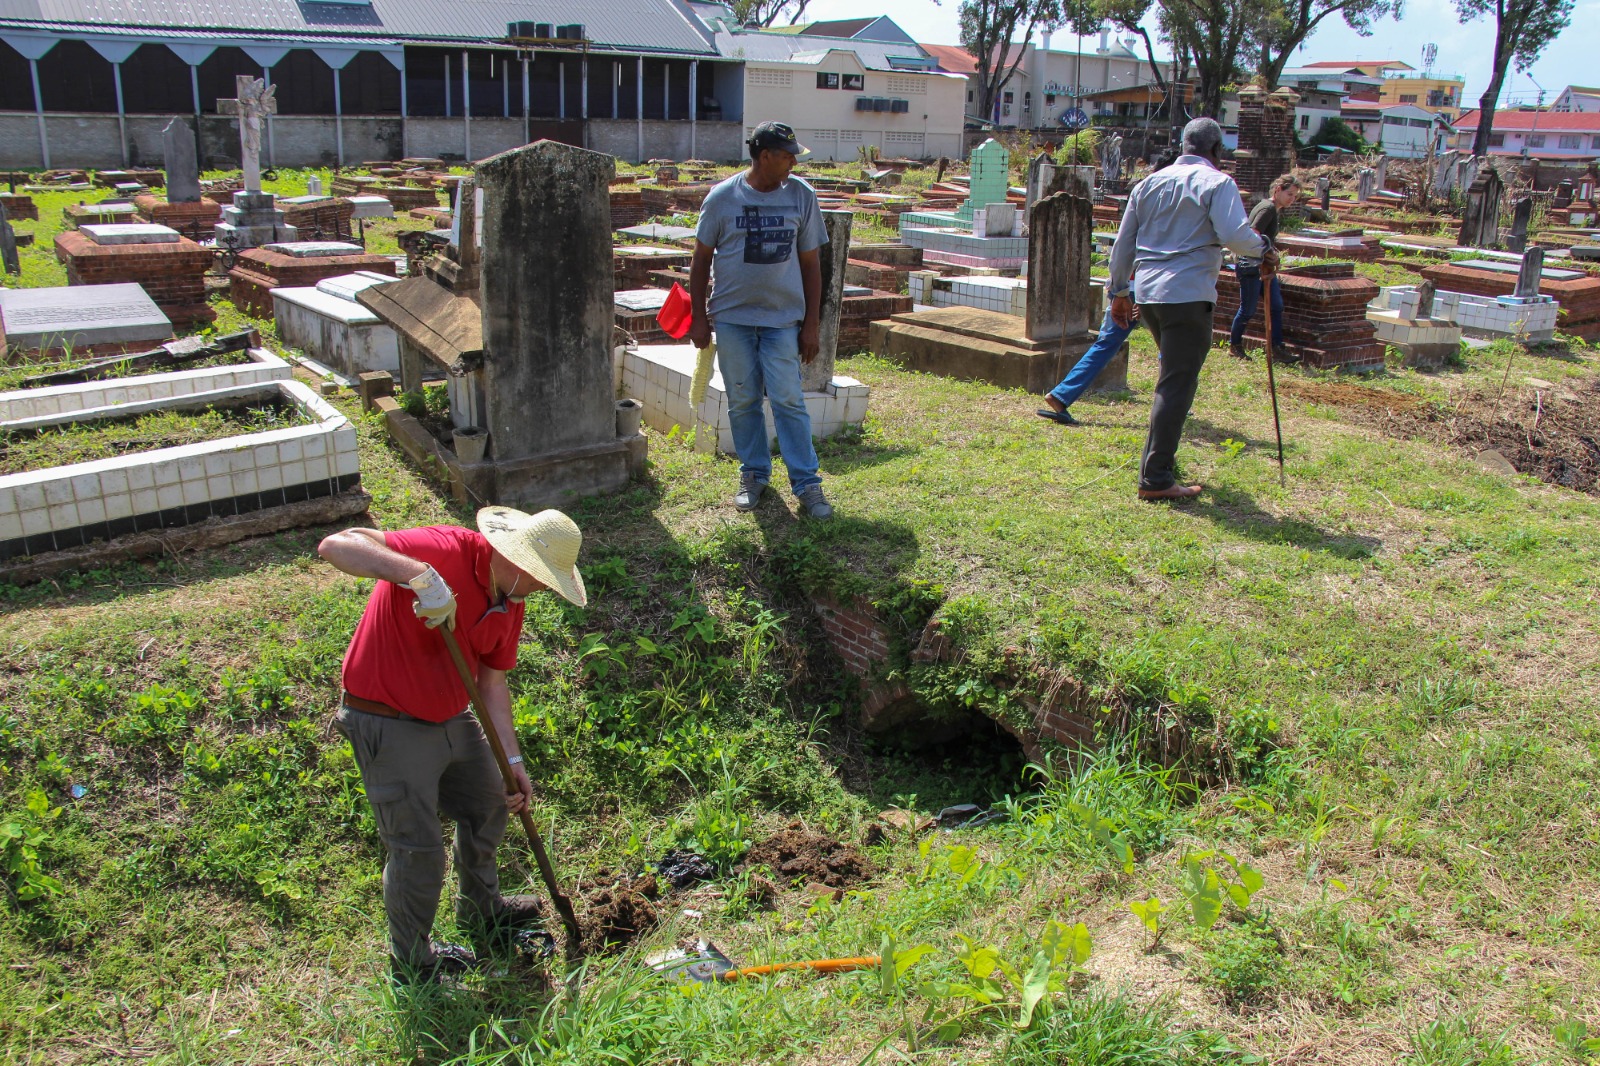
1552	434
617	914
795	855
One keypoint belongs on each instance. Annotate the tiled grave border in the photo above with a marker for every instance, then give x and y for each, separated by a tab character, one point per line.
65	507
64	399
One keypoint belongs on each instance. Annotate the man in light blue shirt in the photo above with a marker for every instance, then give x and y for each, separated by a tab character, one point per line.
757	242
1174	228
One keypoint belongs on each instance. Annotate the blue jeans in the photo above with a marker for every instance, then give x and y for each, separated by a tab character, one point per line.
1101	352
765	360
1249	296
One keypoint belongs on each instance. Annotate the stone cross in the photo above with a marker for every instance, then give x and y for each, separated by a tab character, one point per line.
1521	215
256	100
183	171
8	244
817	375
1530	273
990	177
1060	239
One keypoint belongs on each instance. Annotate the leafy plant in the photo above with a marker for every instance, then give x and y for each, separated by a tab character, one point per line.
994	985
1453	1042
1205	888
1573	1036
20	838
1149	912
1243	961
1106	832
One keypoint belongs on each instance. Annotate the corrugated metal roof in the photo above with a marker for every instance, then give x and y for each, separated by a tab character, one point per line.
158	33
783	47
631	25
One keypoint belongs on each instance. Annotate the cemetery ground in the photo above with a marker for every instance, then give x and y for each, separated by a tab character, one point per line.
1377	681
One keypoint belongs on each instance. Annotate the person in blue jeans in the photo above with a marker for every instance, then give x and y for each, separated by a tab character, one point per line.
1083	373
756	251
1264	220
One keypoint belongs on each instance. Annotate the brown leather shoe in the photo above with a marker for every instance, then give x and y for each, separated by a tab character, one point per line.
1171	492
1237	351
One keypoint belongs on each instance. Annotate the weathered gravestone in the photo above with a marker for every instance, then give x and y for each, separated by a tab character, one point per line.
254	219
1480	221
1528	276
183	171
1324	191
1364	184
1061	236
8	244
817	375
1444	173
1521	215
1380	173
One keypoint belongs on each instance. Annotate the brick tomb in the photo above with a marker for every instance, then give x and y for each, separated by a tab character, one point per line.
105	213
1576	292
19	206
198	216
298	263
631	264
171	268
1324	316
320	218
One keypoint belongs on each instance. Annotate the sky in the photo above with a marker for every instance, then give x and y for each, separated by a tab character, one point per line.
1466	50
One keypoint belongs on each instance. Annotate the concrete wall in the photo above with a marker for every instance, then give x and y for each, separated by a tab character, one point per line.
78	140
717	141
827	122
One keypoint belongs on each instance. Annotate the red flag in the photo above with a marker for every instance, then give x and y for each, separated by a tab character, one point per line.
676	314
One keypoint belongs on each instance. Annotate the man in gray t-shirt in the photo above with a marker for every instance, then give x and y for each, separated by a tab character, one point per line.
756	252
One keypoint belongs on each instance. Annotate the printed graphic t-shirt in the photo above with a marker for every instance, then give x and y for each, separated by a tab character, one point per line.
755	275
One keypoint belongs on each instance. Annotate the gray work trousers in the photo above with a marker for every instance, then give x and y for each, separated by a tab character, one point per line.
413	771
1183	333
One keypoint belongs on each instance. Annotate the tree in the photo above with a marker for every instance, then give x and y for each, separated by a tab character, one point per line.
1522	29
1219	36
765	12
1127	15
1287	23
1337	133
987	29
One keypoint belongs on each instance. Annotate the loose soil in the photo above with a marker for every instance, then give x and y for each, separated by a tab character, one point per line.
617	914
794	855
1552	434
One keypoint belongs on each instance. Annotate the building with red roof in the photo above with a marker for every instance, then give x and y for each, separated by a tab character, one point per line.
1553	135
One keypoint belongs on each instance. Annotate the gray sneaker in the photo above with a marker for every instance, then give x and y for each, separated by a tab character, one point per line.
815	503
750	489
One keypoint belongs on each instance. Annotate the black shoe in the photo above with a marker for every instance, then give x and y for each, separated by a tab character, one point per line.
512	914
450	962
1063	417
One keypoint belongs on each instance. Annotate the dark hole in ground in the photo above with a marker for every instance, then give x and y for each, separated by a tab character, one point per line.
982	765
619	912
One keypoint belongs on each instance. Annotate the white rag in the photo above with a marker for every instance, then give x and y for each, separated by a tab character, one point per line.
702	374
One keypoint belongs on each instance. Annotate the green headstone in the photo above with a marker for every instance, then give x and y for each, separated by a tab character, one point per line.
991	177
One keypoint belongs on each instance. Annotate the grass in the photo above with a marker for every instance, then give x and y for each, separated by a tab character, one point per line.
85	442
1385	671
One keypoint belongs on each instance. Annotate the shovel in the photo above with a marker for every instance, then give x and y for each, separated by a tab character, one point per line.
709	965
1272	384
563	905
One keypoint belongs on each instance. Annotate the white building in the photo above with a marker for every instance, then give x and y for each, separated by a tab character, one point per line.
1577	98
1406	130
1322	94
1550	135
843	94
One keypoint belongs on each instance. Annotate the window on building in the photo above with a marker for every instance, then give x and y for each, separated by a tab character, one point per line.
856	83
1497	140
826	80
1408	98
1570	140
1009	98
969	96
1305	122
1594	142
1049	99
1535	140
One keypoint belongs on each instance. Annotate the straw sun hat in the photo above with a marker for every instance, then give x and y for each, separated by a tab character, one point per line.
544	544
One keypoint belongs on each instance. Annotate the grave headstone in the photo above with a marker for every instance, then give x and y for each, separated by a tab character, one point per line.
1444	173
995	220
1364	185
1480	221
1425	293
816	375
1467	173
314	185
1031	185
8	244
130	233
1059	246
1112	161
1324	191
1529	275
76	316
990	167
1381	172
254	219
1521	215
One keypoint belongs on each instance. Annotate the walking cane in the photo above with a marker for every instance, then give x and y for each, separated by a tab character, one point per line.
1272	384
563	905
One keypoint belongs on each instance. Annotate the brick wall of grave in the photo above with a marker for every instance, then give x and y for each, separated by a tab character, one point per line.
859	637
187	218
627	208
1579	298
633	271
250	283
173	275
330	217
1324	316
858	313
1266	145
885	276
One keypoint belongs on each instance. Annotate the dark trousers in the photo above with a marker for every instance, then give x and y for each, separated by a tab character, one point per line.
1183	334
1249	296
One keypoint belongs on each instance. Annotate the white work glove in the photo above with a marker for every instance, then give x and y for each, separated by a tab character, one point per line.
435	602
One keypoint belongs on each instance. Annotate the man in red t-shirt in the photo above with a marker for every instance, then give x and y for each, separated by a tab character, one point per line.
418	753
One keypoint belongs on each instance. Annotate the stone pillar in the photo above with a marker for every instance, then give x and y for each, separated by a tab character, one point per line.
1266	138
1061	235
816	375
1531	272
183	172
546	331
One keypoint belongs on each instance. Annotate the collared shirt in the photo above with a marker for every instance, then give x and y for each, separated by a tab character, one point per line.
396	660
1173	231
